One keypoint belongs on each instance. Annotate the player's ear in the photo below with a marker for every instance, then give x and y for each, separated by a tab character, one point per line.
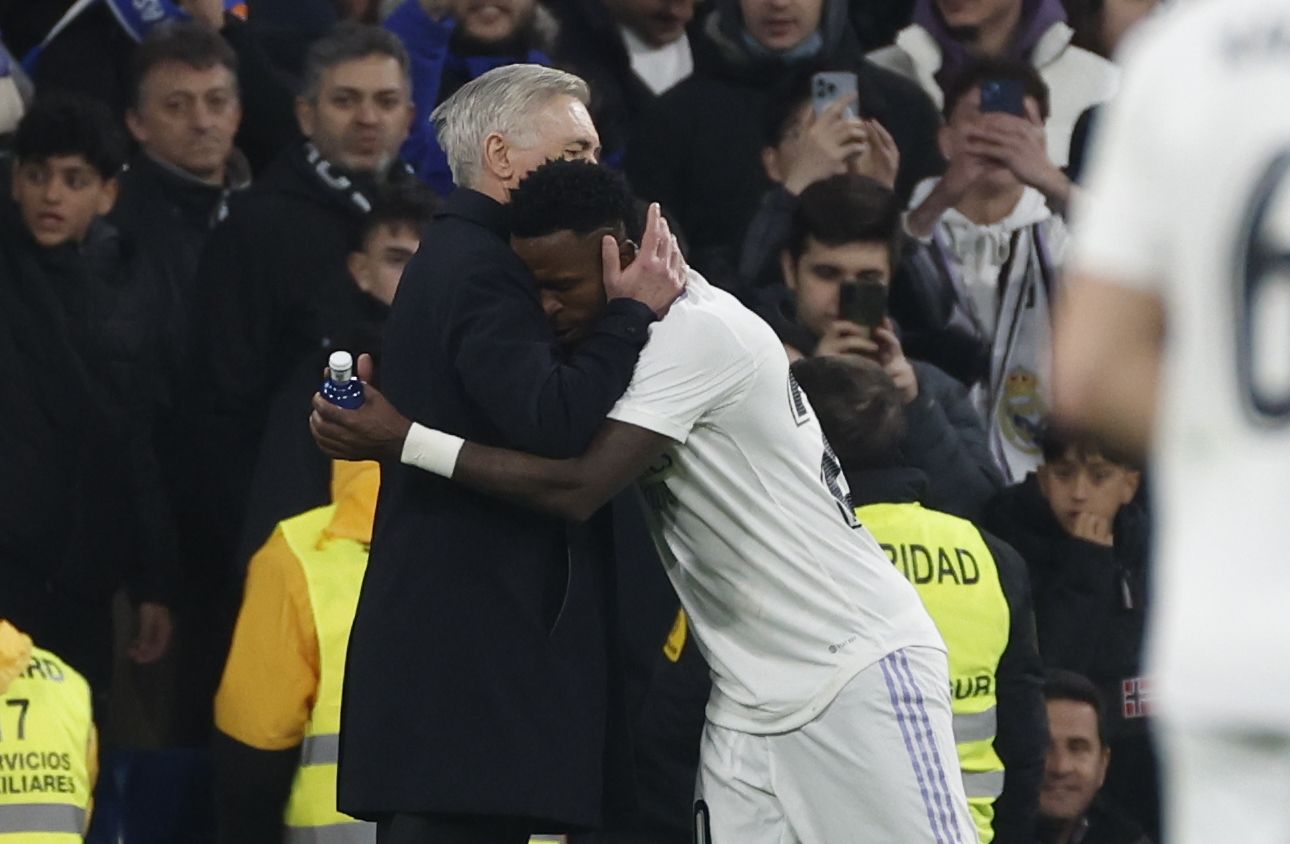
627	250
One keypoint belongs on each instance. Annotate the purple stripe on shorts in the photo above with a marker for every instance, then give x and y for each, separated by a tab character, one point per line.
913	700
889	670
944	790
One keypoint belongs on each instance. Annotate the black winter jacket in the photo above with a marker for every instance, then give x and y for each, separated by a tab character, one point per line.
83	509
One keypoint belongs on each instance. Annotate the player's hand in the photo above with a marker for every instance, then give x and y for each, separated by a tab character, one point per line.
880	159
822	146
153	630
1093	528
891	356
846	338
658	273
375	431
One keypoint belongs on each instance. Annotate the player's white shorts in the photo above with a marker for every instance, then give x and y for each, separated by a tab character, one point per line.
878	765
1226	786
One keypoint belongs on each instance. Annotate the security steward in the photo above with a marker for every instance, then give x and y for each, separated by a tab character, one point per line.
277	711
974	586
48	745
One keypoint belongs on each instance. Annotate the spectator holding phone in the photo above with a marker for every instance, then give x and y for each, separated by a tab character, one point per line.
991	251
840	251
948	37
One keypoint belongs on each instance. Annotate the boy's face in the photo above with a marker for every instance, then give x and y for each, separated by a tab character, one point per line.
1086	482
817	276
60	196
570	278
957	134
378	266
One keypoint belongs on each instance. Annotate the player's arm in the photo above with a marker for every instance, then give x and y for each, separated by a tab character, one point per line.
572	489
1106	361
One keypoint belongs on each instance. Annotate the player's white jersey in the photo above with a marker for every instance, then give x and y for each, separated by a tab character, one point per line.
788	596
1189	197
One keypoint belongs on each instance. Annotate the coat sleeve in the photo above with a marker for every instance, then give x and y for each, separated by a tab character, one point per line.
1022	737
506	359
767	235
945	438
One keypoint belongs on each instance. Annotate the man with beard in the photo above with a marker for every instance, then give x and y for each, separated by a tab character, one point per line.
272	288
452	42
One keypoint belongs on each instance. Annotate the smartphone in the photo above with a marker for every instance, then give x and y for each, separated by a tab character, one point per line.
864	303
1006	95
831	86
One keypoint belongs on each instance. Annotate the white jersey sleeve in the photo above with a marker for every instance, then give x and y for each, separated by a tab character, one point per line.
1123	217
698	366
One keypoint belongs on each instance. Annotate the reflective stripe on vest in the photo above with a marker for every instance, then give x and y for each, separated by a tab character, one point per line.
42	817
955	574
333	570
345	833
46	723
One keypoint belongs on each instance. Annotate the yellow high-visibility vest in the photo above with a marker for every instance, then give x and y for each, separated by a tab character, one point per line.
952	568
333	569
46	737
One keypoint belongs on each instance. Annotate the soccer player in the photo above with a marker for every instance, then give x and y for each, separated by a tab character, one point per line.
1174	339
830	708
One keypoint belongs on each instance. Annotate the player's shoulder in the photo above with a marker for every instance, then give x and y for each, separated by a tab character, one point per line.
1191	34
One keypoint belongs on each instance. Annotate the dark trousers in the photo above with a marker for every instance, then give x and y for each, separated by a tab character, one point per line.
450	829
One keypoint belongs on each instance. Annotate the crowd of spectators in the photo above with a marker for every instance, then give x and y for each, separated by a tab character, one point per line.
193	217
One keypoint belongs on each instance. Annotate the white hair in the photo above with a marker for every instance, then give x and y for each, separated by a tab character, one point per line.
503	101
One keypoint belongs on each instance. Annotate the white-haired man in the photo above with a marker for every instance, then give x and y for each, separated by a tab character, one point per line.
476	685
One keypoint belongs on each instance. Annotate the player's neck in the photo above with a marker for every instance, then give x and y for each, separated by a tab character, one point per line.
987	207
992	39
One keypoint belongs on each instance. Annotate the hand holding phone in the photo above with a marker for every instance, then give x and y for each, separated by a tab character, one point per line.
829	87
1003	95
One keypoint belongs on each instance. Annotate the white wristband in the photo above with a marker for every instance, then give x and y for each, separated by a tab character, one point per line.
431	450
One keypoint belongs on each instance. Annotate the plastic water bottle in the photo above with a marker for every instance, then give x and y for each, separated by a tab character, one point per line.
342	388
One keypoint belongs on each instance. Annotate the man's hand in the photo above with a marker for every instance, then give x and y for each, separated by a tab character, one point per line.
375	431
892	358
1021	146
152	634
1093	528
822	146
845	338
657	276
880	159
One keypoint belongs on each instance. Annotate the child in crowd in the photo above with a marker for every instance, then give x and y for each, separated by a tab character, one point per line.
992	249
1079	525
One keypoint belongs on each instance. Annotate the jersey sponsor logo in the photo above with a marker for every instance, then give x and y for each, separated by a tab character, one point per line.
1022	410
922	565
1135	698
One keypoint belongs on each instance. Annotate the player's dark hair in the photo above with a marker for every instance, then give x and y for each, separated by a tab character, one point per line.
410	205
860	409
71	124
347	42
575	196
846	209
1032	83
1068	685
1054	442
183	42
